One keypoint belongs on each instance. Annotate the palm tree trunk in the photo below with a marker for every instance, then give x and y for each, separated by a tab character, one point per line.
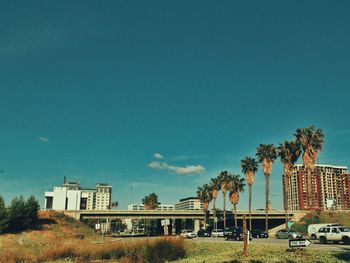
267	188
205	219
214	212
250	207
235	207
224	194
286	201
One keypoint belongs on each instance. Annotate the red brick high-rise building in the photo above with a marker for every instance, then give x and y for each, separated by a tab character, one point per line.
330	188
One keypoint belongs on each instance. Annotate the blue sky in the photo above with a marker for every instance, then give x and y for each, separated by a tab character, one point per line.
93	91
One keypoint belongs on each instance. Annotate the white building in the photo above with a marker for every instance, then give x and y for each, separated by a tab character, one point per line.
160	207
189	203
71	196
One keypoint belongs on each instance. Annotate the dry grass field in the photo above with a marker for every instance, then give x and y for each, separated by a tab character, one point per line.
61	238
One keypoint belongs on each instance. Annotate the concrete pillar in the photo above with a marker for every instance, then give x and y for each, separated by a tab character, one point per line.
173	228
197	225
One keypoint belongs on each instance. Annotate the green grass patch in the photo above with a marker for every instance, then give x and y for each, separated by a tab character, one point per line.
232	253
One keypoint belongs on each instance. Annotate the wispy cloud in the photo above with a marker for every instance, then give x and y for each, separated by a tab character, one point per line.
44	139
187	157
158	156
190	169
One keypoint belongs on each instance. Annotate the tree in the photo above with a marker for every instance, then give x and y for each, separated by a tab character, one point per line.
205	195
266	154
18	215
236	187
225	180
150	202
32	208
114	205
216	185
311	140
289	152
3	215
249	167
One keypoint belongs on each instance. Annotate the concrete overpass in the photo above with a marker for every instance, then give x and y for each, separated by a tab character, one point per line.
188	218
175	214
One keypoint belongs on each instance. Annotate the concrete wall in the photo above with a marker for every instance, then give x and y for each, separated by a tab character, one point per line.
73	199
59	198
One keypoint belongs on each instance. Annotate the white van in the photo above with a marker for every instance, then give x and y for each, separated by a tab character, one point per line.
313	229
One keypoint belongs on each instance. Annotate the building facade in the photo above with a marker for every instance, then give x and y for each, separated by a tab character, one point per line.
71	196
160	207
330	188
189	203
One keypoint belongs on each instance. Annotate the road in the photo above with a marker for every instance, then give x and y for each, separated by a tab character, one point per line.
280	243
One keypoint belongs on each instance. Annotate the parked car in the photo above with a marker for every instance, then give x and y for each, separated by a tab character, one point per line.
312	230
334	234
203	233
187	234
258	233
286	233
237	235
228	231
217	233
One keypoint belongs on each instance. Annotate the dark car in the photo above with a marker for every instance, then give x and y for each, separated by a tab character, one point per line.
229	231
203	233
237	234
258	233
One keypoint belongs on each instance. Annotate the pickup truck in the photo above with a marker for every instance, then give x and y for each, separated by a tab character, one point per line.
334	234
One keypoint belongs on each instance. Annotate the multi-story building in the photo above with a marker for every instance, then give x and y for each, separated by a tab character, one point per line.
103	196
330	188
189	203
160	207
71	196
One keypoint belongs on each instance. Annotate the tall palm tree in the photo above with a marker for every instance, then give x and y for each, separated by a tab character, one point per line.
289	152
205	195
249	167
236	187
266	154
216	185
225	180
311	140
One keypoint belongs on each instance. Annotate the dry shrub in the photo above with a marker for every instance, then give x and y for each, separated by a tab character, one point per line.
166	249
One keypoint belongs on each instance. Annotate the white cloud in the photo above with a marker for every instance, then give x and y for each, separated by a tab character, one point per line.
190	169
158	156
43	139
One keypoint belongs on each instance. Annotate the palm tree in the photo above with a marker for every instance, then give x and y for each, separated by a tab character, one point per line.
216	185
249	167
266	154
311	140
225	180
205	195
236	187
289	153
